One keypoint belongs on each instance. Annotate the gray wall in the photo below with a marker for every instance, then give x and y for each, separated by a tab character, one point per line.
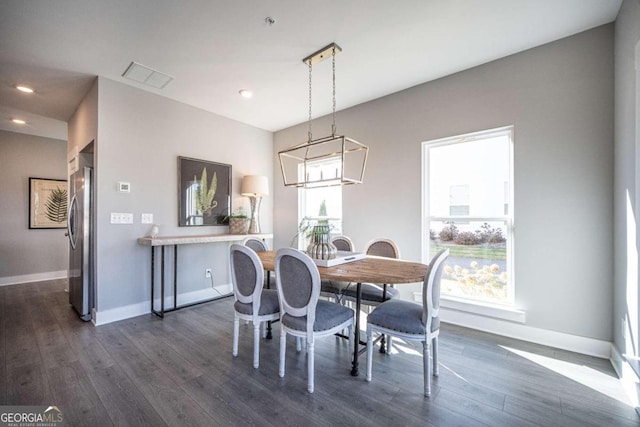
627	173
140	136
559	97
25	252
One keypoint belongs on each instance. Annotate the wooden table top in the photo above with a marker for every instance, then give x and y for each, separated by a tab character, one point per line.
371	269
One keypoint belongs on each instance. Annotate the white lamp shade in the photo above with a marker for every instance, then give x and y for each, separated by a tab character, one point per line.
255	185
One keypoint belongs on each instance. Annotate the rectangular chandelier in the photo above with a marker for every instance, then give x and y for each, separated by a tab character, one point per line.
328	161
350	156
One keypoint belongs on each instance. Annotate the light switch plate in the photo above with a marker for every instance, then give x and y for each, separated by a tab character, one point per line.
146	218
124	187
121	218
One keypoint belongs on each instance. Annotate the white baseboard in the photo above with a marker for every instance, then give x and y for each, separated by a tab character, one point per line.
37	277
578	344
102	317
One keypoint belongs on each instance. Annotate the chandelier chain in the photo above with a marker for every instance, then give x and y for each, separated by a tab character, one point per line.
333	60
310	71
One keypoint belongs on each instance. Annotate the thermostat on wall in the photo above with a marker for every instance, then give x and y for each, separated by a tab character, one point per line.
124	187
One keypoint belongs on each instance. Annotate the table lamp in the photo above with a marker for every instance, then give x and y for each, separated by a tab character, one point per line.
255	187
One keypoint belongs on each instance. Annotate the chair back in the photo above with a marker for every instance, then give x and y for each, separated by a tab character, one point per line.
298	283
383	248
431	288
247	275
343	243
256	244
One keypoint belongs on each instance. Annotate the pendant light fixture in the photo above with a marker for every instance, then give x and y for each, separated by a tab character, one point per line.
343	159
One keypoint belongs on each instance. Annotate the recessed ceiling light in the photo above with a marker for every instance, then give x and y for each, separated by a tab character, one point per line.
245	93
18	121
25	89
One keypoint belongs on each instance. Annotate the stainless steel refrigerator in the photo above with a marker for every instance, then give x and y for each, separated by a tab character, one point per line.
80	232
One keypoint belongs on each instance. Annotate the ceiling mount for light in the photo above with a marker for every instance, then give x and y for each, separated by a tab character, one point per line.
350	156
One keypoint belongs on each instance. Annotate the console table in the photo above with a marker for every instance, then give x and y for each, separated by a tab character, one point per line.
162	242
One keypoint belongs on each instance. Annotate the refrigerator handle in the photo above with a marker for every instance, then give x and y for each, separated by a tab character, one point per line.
70	220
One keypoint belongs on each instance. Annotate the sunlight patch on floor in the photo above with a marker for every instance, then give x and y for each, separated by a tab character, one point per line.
589	377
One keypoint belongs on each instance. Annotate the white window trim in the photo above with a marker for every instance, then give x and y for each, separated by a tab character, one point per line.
482	308
473	305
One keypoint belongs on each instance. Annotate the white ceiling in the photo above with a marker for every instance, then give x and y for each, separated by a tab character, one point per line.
214	48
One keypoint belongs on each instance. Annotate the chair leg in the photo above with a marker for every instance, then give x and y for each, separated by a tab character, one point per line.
436	371
264	329
283	349
389	343
427	366
310	365
298	344
369	351
236	330
256	344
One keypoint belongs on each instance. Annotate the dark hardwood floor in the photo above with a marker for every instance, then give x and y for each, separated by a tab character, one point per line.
179	372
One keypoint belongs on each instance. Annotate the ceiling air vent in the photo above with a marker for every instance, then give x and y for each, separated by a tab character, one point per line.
145	75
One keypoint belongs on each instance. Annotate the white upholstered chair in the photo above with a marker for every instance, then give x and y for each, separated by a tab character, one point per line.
302	313
412	321
252	302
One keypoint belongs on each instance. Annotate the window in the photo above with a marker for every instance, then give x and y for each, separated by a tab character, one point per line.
468	196
320	204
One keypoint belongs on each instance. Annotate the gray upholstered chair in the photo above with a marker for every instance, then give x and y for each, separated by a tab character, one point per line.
331	288
259	245
342	243
252	301
412	321
302	313
255	243
373	294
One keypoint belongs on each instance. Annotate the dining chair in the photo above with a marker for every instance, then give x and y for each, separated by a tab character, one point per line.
412	321
302	313
342	243
255	243
332	288
252	302
373	295
259	245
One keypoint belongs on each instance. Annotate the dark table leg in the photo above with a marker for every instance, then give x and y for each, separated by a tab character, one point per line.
269	334
356	332
382	339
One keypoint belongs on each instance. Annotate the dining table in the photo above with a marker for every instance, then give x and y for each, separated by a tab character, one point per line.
370	269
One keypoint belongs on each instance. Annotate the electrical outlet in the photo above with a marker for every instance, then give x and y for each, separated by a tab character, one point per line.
207	273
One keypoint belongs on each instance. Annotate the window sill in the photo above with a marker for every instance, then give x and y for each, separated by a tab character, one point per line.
481	308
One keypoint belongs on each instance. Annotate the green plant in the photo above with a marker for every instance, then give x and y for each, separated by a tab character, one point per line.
238	213
56	205
206	192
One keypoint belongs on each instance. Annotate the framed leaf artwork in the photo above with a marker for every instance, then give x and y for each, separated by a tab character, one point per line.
47	203
204	191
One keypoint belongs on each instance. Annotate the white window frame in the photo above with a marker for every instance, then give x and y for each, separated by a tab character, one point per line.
508	219
302	203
